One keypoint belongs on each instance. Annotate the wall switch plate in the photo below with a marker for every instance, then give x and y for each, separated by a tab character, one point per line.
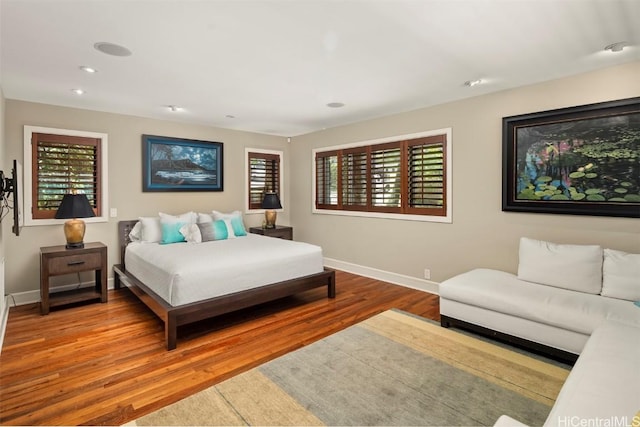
427	273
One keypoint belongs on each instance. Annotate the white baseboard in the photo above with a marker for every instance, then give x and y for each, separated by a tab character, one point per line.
4	316
30	297
385	276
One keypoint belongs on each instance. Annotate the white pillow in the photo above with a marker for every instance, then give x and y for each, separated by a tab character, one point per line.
574	267
221	215
151	232
203	217
191	233
621	275
135	235
187	217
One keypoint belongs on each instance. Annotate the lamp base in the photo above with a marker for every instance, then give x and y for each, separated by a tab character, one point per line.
74	245
74	233
270	218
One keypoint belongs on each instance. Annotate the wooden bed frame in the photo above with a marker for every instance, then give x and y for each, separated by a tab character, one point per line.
193	312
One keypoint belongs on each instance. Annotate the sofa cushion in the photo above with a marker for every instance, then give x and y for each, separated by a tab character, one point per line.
505	293
575	267
603	384
621	275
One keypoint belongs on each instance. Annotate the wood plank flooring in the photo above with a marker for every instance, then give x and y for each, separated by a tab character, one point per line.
106	364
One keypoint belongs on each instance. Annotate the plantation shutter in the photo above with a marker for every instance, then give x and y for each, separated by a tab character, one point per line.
399	177
64	164
264	176
386	177
426	175
354	178
327	180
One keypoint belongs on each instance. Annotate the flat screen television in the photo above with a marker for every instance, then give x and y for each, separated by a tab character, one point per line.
16	204
10	190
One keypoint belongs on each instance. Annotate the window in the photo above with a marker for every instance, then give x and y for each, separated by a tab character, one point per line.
327	180
405	176
264	174
63	161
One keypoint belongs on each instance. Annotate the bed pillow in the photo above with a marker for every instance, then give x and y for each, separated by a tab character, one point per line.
215	230
573	267
170	226
234	220
150	230
191	233
171	232
135	235
186	218
621	275
203	217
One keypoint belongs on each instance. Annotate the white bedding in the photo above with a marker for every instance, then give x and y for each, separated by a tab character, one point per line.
183	273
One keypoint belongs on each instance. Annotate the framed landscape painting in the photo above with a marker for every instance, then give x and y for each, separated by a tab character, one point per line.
581	160
176	164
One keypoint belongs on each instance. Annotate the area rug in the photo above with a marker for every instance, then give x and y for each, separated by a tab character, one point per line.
392	369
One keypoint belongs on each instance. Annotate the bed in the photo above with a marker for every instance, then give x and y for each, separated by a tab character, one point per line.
173	285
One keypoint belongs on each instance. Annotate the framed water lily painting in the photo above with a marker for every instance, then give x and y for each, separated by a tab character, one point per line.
178	164
581	160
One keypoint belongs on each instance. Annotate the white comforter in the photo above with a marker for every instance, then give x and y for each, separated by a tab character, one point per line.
183	273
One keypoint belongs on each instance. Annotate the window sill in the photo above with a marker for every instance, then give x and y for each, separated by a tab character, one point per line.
402	217
36	222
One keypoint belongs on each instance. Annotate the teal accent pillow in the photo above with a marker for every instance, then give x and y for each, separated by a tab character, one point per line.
238	226
637	303
171	232
219	230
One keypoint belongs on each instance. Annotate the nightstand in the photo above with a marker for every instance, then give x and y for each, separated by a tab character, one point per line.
58	260
280	231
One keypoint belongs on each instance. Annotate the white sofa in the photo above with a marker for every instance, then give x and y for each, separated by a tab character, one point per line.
566	300
559	296
602	388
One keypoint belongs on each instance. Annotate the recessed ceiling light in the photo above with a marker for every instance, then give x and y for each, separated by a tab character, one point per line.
112	49
78	91
88	69
616	47
335	105
472	83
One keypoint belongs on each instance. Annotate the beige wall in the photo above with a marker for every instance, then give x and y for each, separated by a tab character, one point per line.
481	235
125	179
5	165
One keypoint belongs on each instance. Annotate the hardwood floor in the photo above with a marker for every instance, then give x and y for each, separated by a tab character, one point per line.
105	364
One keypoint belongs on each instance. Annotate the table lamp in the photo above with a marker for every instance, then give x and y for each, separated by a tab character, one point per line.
270	202
72	207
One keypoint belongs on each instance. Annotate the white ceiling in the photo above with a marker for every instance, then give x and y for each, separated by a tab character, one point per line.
273	65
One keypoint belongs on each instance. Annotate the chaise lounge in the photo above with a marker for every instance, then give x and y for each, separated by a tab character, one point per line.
572	302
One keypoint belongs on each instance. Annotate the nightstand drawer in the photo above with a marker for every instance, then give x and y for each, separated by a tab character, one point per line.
74	263
280	234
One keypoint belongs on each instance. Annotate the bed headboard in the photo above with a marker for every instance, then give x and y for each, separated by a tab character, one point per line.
124	228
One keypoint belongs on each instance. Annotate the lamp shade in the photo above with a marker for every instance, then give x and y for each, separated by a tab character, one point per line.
271	201
74	206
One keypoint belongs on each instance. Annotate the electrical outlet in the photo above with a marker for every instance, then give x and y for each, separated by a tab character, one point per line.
113	212
427	273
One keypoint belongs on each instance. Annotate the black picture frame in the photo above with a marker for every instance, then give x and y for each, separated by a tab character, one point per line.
179	164
582	160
